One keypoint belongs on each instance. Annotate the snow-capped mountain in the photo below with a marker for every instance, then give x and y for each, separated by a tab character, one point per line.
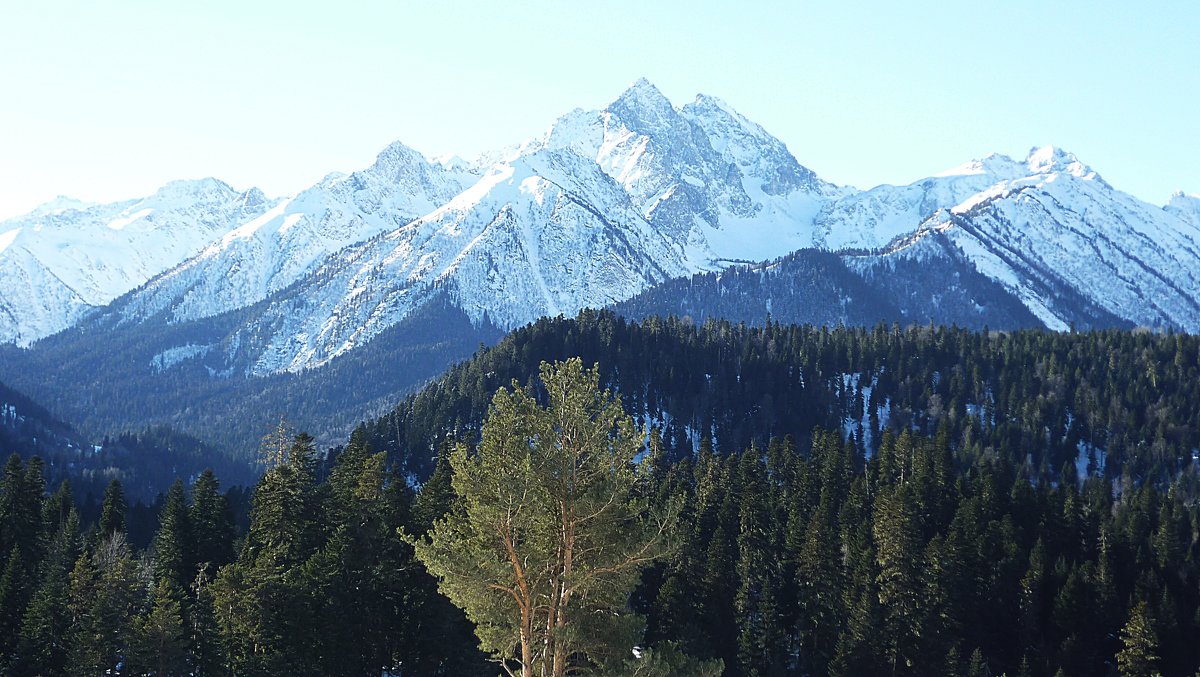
1062	232
610	202
266	254
605	204
708	179
67	257
543	234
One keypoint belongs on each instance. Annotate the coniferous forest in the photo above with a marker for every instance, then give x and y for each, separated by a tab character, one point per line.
887	501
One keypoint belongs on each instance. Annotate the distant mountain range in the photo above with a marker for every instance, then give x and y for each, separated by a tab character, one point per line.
643	206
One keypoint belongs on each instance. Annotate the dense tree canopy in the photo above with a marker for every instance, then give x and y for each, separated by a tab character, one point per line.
926	501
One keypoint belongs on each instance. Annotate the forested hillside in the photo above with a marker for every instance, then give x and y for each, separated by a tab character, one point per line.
145	461
961	552
1119	402
812	286
146	380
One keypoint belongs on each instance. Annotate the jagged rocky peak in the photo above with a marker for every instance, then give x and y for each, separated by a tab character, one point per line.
642	95
751	147
644	109
254	198
1055	160
400	164
395	155
997	165
203	190
1186	206
452	163
1040	161
1182	200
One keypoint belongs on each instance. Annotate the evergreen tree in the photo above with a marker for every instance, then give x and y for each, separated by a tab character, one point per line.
760	635
203	633
42	647
20	509
112	511
159	645
173	541
1139	655
818	580
546	539
978	666
14	596
267	616
898	555
211	523
57	510
105	595
363	602
437	494
285	516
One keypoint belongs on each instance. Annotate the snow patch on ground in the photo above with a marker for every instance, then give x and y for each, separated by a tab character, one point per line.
173	356
1085	453
119	224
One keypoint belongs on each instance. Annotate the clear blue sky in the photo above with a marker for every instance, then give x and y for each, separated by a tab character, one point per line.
108	100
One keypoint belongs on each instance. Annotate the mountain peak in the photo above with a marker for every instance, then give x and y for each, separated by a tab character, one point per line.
713	108
703	101
188	189
396	154
993	164
1052	159
1186	206
641	94
60	204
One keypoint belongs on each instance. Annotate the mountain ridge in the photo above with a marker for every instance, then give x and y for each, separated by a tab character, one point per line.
608	203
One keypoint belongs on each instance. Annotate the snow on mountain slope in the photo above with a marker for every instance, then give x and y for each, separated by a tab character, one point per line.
871	219
1186	207
605	204
543	234
1062	236
704	176
68	256
33	302
270	252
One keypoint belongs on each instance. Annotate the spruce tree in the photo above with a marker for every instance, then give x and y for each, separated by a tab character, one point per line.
159	646
818	578
898	554
112	511
362	602
15	526
173	541
266	611
211	523
760	635
14	595
105	594
1138	656
205	657
437	494
42	646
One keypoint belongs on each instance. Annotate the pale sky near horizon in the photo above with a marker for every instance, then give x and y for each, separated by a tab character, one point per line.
109	100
